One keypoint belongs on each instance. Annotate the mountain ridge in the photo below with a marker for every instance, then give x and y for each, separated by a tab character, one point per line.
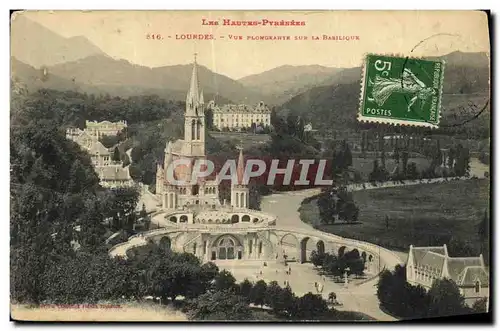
46	47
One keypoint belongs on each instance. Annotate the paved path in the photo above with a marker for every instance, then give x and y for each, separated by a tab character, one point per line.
362	298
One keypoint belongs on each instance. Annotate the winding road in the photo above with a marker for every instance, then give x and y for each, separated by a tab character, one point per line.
361	298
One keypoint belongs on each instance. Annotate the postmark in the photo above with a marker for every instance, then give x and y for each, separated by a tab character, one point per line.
401	90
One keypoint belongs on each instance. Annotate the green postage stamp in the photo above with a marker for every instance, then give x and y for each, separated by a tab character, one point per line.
401	90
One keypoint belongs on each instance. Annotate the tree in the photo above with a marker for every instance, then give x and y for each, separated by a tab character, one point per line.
411	171
273	297
225	281
258	293
209	118
116	155
327	208
220	305
445	299
288	302
404	160
462	161
121	204
311	307
317	258
357	266
245	288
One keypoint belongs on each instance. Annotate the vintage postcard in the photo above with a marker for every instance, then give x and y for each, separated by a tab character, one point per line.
250	166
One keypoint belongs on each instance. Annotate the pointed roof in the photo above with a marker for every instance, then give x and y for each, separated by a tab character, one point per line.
240	170
193	93
168	154
202	101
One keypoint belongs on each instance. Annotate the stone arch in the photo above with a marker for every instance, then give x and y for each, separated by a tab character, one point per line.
210	220
370	258
303	249
183	219
235	218
217	221
227	247
290	246
245	218
255	220
341	251
320	247
173	219
166	244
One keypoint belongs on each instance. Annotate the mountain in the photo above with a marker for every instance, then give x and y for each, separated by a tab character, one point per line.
69	78
335	105
35	79
110	75
284	82
44	47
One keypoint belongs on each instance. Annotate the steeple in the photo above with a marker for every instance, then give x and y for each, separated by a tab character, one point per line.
193	94
239	191
168	155
201	97
240	170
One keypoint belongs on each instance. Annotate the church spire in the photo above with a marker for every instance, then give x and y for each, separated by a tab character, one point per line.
168	155
240	170
193	93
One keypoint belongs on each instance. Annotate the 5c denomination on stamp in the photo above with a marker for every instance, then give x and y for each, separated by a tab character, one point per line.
401	90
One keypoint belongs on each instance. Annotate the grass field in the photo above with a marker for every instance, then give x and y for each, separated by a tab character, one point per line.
427	214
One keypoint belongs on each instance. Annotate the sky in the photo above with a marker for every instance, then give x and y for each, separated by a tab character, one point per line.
123	35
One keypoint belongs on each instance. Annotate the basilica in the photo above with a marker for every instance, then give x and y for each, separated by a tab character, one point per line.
214	229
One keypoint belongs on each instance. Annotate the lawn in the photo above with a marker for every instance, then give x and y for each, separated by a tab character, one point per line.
427	214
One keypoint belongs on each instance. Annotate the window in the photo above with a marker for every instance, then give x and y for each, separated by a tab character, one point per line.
478	286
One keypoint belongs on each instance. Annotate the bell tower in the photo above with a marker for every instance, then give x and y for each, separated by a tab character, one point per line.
194	119
239	191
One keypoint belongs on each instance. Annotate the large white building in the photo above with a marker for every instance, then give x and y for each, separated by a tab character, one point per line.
426	264
234	117
111	173
230	230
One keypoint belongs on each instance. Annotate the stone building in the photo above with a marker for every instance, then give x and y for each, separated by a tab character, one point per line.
234	117
104	128
111	173
215	230
426	264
